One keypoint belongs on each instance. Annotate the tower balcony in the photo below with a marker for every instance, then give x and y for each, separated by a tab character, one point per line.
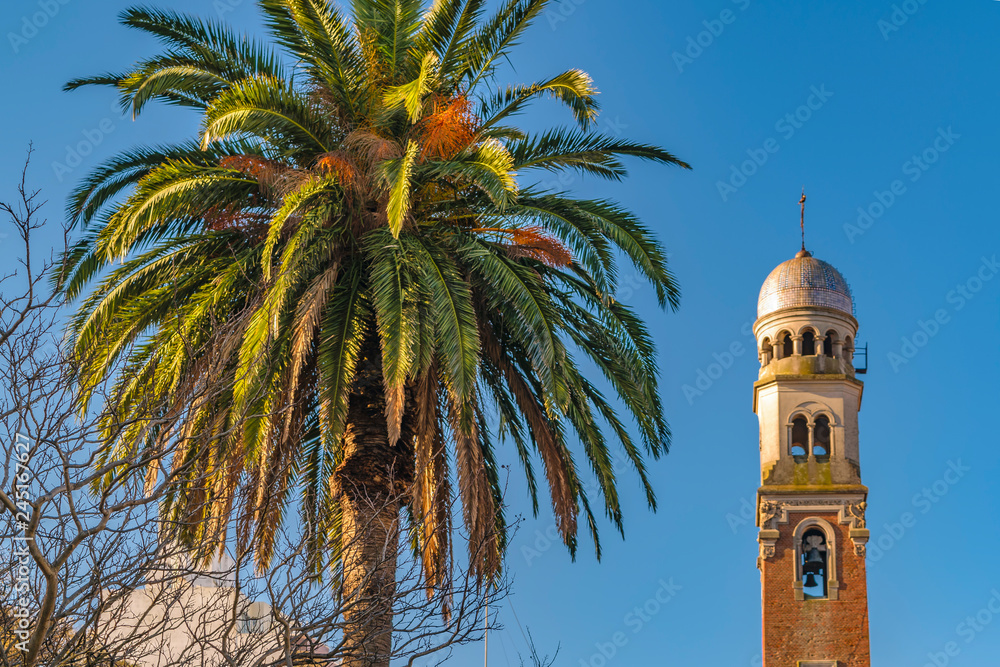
807	365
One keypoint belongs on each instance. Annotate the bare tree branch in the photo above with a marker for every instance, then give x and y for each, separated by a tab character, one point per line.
91	579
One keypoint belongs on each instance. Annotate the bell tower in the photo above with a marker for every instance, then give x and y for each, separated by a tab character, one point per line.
811	502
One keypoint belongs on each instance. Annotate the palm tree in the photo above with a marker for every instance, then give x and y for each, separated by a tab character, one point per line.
352	256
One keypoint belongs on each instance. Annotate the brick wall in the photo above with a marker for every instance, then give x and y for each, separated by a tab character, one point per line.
814	629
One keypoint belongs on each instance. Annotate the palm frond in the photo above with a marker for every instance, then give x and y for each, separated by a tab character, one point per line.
271	110
573	88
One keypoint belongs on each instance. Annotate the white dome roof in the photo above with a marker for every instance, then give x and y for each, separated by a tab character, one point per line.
802	282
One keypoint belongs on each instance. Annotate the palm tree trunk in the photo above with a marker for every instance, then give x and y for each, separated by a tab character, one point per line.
373	480
372	537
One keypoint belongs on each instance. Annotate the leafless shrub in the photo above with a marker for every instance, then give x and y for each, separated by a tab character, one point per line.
87	578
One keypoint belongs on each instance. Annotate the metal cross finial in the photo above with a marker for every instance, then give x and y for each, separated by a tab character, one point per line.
802	222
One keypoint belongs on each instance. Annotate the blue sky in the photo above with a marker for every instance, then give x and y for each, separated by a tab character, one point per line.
875	108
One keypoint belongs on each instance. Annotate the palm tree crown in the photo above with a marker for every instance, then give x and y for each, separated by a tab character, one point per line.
352	245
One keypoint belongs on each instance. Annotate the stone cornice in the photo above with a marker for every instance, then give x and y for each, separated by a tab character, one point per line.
812	377
810	490
798	311
773	510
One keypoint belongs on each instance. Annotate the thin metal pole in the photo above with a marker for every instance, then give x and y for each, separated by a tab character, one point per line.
802	221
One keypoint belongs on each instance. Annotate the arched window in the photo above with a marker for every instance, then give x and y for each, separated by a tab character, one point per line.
808	343
800	438
814	576
813	557
821	437
786	345
828	342
766	352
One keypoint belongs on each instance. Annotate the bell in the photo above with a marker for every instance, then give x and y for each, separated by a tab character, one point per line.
810	581
814	562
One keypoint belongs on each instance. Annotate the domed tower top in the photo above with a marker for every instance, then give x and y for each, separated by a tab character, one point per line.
805	319
804	281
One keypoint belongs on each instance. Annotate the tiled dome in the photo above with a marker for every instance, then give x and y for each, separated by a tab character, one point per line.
804	281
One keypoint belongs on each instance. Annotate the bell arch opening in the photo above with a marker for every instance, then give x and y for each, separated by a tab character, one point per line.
815	543
821	438
799	446
813	565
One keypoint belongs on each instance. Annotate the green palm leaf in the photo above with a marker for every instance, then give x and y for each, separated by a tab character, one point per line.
346	288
